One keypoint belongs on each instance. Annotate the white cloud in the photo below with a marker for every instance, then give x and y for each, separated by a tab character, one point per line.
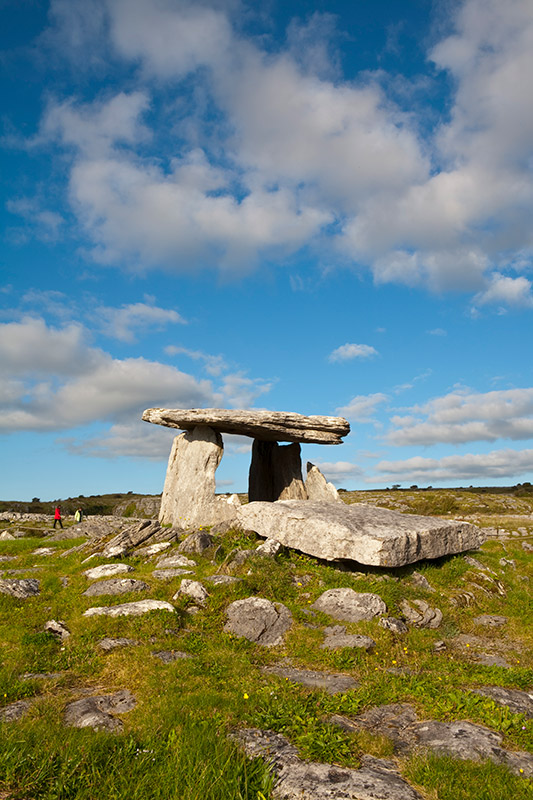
498	464
126	440
214	365
122	323
240	391
339	471
506	290
460	417
62	382
362	408
348	351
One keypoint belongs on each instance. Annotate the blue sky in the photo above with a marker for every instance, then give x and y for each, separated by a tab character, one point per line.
313	207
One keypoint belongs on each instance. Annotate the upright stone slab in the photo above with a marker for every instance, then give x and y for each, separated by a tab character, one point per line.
318	488
275	472
189	493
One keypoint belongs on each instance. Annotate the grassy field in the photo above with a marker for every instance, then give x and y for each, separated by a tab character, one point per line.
175	742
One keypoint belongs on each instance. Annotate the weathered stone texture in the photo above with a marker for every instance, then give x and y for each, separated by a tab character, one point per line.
275	472
258	620
318	488
359	532
269	426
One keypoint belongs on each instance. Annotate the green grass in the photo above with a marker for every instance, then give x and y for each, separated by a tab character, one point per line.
175	742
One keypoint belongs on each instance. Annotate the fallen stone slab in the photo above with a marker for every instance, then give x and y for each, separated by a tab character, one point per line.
332	682
134	609
20	588
258	620
516	701
377	779
106	571
116	586
348	605
107	644
265	426
98	712
337	638
358	532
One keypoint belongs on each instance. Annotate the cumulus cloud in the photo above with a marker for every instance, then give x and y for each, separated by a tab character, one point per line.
297	152
53	380
339	471
122	323
214	365
348	351
508	464
362	408
463	416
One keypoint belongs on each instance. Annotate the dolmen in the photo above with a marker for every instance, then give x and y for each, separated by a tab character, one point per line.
309	515
275	471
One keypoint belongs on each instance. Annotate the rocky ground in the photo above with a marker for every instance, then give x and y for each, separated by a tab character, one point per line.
347	680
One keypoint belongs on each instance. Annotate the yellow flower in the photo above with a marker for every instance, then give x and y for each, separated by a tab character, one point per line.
245	695
393	661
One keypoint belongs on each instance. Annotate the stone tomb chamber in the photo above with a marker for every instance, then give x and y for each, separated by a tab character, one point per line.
275	471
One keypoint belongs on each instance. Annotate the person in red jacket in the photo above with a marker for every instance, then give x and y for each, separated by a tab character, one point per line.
57	517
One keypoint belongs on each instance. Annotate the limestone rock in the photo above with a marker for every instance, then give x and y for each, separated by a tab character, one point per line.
268	426
15	711
275	472
393	624
490	620
167	562
359	532
57	629
269	548
134	609
152	549
222	580
424	617
258	620
106	571
192	589
20	587
189	492
318	488
168	574
197	542
348	605
517	701
132	536
376	779
98	712
422	582
333	683
109	644
168	656
337	638
116	586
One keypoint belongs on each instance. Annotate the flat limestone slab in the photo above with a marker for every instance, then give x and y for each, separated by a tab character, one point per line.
267	426
358	532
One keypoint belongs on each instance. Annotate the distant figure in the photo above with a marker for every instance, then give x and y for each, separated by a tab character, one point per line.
57	517
78	516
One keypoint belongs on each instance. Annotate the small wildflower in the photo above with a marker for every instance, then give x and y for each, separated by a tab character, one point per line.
393	661
245	695
467	644
521	770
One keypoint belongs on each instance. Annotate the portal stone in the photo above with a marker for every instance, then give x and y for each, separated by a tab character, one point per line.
275	472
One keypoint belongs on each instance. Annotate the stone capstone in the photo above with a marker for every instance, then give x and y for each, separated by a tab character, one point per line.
376	779
258	620
350	606
267	426
99	712
134	609
359	532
